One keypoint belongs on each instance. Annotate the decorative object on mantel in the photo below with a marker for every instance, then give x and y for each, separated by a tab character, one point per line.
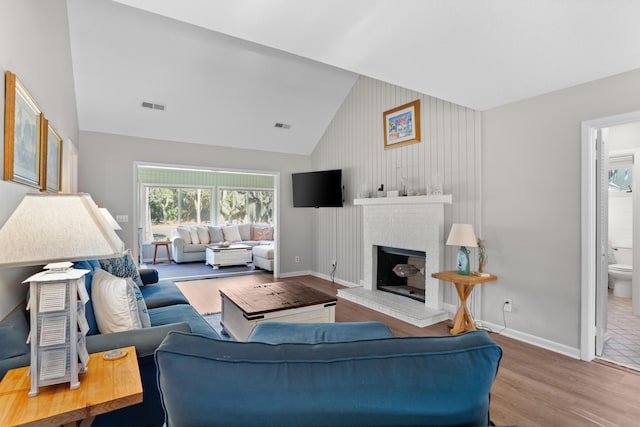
462	235
381	190
393	193
54	228
402	125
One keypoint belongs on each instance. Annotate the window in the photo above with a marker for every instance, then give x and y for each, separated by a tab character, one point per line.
241	206
169	207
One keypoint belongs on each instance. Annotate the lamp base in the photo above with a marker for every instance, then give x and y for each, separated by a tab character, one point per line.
463	261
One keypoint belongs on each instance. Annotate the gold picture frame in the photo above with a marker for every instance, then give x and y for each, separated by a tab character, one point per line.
23	124
52	155
402	125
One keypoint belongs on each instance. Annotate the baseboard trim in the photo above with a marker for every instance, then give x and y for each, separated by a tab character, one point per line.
531	339
335	280
296	273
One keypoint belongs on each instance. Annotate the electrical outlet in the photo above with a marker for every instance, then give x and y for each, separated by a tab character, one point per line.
122	218
508	305
297	259
333	263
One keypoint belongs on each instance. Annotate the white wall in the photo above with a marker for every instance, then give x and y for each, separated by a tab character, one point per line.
34	44
354	141
106	172
531	163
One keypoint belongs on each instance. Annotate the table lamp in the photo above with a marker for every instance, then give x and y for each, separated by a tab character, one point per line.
462	235
55	229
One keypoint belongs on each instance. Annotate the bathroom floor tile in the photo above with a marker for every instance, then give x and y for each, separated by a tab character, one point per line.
623	330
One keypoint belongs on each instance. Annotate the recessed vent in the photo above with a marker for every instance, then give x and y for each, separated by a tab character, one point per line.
153	106
282	125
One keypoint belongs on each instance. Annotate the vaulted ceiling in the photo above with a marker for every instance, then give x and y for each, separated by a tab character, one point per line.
227	71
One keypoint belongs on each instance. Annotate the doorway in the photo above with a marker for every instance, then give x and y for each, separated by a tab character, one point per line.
594	229
167	196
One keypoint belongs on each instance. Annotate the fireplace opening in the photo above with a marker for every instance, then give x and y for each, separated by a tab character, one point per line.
401	272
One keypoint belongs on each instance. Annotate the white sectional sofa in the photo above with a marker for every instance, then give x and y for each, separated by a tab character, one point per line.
188	243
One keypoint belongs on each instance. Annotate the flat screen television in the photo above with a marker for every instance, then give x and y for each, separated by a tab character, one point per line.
320	189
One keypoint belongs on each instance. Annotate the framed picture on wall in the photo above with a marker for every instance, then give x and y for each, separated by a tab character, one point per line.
402	125
23	123
53	164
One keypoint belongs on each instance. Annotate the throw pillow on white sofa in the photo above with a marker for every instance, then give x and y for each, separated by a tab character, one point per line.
231	233
185	234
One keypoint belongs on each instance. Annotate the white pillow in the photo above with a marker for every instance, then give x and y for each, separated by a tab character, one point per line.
194	235
114	303
245	231
231	233
203	234
185	234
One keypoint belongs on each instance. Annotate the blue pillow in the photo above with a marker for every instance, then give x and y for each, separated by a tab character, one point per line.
123	266
88	308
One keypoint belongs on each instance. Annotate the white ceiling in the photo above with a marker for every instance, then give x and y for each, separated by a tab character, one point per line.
228	70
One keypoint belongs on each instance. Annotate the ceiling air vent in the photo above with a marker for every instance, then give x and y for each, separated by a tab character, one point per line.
153	106
282	125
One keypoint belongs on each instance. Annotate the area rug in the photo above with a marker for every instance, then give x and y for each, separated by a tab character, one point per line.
204	295
200	270
214	320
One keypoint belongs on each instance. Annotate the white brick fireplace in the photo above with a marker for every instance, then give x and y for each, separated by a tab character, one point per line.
414	223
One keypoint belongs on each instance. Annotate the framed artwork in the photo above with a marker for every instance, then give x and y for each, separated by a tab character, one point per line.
23	123
402	125
52	152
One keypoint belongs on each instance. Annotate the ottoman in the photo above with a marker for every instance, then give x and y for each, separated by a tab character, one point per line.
263	257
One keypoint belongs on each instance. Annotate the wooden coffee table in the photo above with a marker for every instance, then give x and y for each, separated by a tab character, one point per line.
244	306
237	254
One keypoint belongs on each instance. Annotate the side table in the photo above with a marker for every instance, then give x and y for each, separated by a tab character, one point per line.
107	385
155	251
463	321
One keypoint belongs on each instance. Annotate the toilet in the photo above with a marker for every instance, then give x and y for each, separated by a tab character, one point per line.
620	272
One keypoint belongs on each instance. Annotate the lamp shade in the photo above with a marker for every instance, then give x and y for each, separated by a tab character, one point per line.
110	220
462	235
48	228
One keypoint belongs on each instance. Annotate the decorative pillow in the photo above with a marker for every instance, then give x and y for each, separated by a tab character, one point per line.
114	303
203	234
145	321
245	231
184	233
123	266
263	233
194	235
215	234
231	233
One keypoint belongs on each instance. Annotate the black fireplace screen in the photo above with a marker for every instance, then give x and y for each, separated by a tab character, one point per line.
402	272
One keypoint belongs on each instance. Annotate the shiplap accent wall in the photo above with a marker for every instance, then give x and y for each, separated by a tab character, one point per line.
449	152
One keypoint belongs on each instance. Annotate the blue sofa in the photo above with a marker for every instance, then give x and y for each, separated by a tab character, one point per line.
168	310
327	375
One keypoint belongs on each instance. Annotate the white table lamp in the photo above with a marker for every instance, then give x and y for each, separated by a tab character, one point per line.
55	229
462	235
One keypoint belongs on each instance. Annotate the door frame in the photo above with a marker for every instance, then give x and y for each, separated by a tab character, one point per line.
589	252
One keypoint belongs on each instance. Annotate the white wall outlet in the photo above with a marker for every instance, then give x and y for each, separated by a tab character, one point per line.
333	263
297	259
122	218
508	305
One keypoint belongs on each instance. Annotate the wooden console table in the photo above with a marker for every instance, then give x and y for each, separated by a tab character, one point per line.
463	321
106	386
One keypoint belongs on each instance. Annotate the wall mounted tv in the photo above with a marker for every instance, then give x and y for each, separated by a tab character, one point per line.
320	189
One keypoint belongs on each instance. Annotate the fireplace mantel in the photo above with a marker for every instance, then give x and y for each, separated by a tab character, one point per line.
444	199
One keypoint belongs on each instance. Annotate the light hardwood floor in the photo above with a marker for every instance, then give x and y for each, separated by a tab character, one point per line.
534	386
